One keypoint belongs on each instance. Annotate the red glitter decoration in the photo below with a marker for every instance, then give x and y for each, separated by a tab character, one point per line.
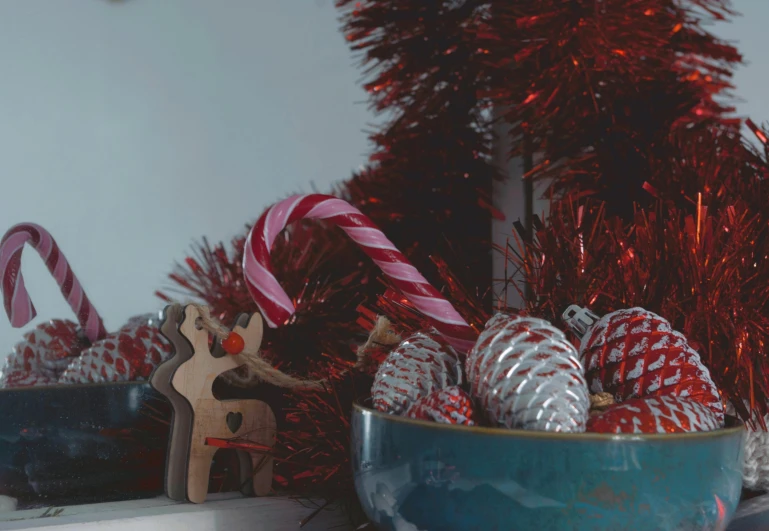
635	353
447	406
662	414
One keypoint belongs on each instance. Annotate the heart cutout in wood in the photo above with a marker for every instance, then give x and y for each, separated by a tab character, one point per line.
234	420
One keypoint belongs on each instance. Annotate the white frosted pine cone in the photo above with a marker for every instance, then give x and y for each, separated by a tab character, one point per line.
422	363
525	374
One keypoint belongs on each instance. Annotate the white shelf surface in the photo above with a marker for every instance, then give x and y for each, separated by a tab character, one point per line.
232	512
221	512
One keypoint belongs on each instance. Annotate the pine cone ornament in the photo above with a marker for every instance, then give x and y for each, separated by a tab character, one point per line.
635	353
130	354
447	406
419	365
656	414
11	379
524	373
755	468
43	355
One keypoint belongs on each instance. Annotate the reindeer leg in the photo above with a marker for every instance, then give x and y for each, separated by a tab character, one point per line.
261	470
245	473
199	468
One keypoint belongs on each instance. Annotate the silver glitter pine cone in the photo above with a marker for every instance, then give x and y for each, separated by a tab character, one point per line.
525	374
419	365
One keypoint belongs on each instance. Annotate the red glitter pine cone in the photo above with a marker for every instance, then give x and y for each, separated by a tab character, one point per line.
43	355
130	354
447	406
658	414
634	353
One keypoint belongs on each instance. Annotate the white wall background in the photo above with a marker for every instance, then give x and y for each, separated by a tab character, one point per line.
748	32
129	129
132	128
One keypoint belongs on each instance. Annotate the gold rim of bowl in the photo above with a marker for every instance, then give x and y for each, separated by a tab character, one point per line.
556	436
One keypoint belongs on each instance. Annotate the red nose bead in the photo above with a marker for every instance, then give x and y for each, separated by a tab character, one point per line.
233	344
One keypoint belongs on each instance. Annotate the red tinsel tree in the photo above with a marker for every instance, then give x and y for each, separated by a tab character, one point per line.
429	181
597	88
657	201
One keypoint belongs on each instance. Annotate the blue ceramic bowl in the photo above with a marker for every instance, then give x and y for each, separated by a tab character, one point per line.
412	475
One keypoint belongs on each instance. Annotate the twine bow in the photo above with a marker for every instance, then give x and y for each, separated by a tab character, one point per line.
600	402
381	335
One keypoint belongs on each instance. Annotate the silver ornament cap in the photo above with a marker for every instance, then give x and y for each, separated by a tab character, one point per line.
579	319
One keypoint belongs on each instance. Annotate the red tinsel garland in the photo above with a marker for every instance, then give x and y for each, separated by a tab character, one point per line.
431	170
657	201
706	272
597	87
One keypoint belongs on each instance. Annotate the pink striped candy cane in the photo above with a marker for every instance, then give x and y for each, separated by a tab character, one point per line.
276	306
17	303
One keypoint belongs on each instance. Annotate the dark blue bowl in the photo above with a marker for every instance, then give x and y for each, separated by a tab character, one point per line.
412	475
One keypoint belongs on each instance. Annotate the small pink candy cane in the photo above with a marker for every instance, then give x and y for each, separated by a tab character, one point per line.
17	303
276	306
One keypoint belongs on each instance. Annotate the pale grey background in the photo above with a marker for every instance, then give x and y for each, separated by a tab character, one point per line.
130	129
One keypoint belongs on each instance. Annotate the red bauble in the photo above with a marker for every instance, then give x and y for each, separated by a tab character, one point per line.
130	354
660	414
421	364
43	355
233	343
447	406
635	353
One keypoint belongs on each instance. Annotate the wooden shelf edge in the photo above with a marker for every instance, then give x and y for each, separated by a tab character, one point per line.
225	512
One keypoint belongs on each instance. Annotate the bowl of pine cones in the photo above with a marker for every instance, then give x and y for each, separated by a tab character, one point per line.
527	431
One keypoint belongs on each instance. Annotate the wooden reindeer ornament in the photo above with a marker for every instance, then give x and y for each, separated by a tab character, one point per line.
211	419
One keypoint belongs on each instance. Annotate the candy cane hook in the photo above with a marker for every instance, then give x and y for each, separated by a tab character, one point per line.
276	306
18	304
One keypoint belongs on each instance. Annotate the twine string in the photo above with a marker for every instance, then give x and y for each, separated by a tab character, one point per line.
257	368
381	335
